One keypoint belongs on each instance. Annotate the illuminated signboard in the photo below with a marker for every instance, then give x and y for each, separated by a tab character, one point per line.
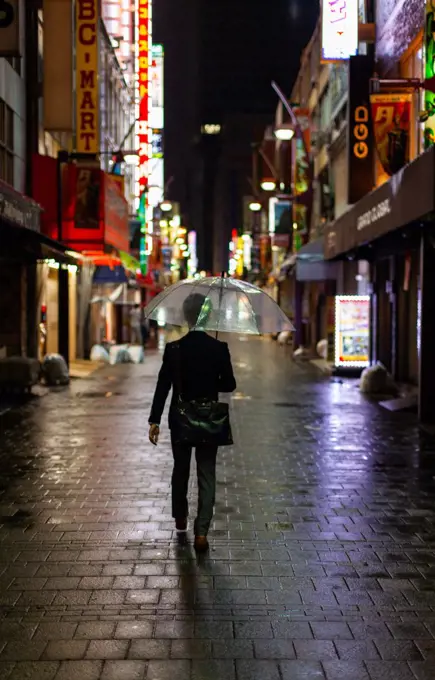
339	29
156	172
144	44
352	331
192	263
279	216
87	104
156	87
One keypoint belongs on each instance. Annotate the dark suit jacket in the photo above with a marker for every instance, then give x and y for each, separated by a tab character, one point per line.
206	370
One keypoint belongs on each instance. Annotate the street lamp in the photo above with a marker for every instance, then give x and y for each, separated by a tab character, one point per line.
268	185
255	206
285	132
166	206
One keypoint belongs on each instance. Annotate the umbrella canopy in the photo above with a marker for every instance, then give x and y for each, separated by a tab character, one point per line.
228	306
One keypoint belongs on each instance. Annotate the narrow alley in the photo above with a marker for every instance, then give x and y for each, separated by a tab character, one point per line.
322	561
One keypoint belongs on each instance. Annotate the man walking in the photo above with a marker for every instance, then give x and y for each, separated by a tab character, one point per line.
202	366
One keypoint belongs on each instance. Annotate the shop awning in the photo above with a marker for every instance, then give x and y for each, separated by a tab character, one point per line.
311	265
408	197
286	267
114	275
25	245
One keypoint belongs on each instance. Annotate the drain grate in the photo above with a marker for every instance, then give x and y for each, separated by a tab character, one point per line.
286	404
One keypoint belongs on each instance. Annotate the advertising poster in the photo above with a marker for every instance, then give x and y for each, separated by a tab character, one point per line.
352	331
429	58
391	114
280	216
88	192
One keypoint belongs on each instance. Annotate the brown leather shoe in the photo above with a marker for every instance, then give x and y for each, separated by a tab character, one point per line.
181	525
201	544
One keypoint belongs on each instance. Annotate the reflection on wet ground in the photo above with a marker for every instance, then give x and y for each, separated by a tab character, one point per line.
323	547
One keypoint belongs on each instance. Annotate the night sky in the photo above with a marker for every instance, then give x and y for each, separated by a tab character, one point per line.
220	59
226	52
247	43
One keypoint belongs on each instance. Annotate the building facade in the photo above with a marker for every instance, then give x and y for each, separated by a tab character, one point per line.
43	245
388	226
22	244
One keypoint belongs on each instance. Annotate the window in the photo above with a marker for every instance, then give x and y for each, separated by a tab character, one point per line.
15	62
412	66
6	143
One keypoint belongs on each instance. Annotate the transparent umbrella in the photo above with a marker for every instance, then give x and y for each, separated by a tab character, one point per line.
229	306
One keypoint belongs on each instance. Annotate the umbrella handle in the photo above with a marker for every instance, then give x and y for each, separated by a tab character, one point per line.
221	292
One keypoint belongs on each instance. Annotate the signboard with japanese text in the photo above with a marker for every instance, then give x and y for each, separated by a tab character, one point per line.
156	87
9	28
87	91
156	179
392	115
17	209
144	50
339	29
352	331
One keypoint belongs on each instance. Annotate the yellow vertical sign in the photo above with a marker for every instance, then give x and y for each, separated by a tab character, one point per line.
87	100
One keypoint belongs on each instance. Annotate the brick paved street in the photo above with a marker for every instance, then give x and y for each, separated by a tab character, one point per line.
323	548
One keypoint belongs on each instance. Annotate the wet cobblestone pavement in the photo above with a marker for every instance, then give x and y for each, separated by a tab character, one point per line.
323	547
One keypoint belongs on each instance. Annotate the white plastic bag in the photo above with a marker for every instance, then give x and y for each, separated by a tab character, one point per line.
376	380
322	349
98	353
137	354
119	355
284	338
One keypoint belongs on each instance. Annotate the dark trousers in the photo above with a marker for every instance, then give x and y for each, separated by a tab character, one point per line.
206	470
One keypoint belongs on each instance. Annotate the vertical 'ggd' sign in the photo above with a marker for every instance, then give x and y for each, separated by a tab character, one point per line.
144	26
360	147
87	101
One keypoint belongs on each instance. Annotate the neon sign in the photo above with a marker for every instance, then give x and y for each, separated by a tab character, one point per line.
339	29
144	27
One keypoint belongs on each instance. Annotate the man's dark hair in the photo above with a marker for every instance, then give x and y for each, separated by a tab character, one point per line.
192	308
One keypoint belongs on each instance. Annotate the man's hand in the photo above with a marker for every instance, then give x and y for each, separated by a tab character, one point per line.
154	434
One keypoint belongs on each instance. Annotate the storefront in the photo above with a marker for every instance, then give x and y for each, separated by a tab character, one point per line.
315	281
28	260
393	229
94	224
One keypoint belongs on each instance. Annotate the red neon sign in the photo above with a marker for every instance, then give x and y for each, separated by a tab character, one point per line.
144	25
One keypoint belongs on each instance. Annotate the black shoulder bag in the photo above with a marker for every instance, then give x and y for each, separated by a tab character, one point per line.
201	421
